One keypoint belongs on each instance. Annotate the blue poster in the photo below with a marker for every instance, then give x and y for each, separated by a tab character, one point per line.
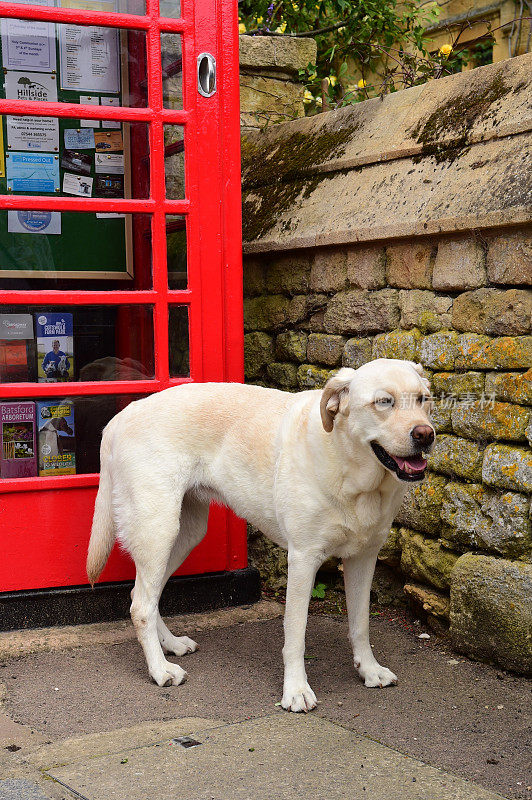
79	139
32	172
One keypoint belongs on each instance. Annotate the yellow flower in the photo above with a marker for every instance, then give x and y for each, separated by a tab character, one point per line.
281	28
260	20
332	79
446	50
242	28
361	84
319	101
308	97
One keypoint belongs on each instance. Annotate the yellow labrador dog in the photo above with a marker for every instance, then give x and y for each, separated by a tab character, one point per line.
322	473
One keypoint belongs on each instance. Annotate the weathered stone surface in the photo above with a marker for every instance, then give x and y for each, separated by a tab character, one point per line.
480	518
458	384
390	552
357	352
431	602
311	377
441	416
460	264
264	100
304	306
288	273
359	311
491	616
511	386
284	54
283	375
480	352
457	458
409	266
366	267
329	270
397	344
270	560
422	505
254	279
291	346
438	350
494	312
484	419
507	467
265	313
258	351
425	310
426	560
510	258
325	349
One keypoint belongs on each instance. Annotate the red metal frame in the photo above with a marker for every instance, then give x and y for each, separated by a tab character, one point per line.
54	554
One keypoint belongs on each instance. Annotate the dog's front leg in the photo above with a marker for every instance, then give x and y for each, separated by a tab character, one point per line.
302	568
358	575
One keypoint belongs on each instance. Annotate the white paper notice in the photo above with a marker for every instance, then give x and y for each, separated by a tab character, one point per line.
109	163
110	215
32	133
89	100
29	44
34	222
89	55
110	101
77	184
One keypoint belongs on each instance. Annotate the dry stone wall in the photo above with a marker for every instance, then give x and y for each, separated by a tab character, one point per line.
458	301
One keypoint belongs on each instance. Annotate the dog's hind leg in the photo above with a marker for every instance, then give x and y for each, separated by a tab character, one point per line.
192	529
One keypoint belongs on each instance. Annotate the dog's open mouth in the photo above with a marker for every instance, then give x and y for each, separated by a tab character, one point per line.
407	468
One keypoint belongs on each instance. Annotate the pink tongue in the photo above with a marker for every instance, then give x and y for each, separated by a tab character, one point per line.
416	463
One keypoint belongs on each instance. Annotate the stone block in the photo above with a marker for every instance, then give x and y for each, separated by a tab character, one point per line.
441	416
329	270
409	266
254	279
490	611
425	310
435	604
258	352
480	518
509	258
289	274
268	558
291	346
283	375
265	100
366	267
390	552
311	377
357	352
457	384
359	311
304	306
506	352
421	507
426	560
487	419
397	344
460	264
457	458
325	349
266	313
494	312
438	351
282	53
511	386
507	467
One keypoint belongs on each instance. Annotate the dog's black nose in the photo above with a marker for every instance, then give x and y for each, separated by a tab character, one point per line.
422	435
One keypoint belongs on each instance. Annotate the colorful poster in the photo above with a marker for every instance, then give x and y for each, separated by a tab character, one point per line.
90	56
48	222
18	457
32	133
79	139
56	437
32	172
29	44
55	347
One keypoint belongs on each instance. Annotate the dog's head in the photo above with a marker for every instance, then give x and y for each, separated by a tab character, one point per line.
386	405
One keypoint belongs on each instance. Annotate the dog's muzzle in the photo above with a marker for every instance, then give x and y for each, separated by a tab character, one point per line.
407	468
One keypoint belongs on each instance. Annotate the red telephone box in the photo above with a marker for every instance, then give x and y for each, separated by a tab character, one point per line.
120	262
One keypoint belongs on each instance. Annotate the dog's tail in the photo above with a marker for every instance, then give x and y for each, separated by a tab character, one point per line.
103	532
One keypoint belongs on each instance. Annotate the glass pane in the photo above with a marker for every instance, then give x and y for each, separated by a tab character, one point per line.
72	64
178	341
174	162
176	252
55	436
170	8
137	7
74	250
172	62
61	344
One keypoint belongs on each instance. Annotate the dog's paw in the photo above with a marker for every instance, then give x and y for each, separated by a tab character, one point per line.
374	675
178	645
298	697
169	675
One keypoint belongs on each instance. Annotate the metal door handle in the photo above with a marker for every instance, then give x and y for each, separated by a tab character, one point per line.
206	74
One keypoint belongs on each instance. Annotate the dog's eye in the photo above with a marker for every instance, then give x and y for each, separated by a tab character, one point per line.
384	400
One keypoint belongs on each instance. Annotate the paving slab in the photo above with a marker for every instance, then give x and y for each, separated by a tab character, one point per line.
20	789
280	757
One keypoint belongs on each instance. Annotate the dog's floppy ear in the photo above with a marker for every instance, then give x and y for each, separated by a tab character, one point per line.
334	397
419	369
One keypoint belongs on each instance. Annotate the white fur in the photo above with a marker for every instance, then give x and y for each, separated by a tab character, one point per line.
307	477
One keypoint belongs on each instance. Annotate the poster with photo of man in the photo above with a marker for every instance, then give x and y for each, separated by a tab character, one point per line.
55	347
